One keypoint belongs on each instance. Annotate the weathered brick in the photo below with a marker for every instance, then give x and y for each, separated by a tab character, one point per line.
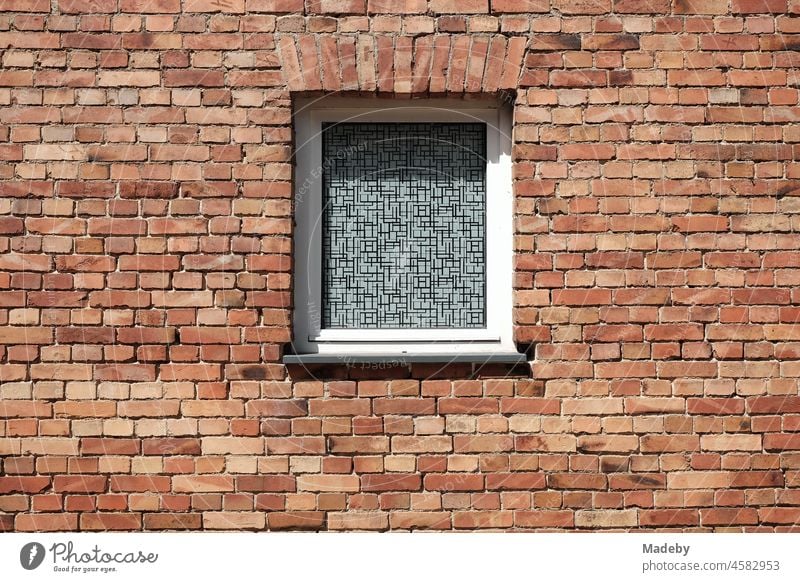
268	483
296	520
79	483
482	519
391	482
41	522
605	518
201	483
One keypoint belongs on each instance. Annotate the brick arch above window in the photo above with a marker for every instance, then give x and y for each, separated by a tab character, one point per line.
437	63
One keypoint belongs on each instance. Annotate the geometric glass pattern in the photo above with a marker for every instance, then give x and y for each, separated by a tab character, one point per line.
403	225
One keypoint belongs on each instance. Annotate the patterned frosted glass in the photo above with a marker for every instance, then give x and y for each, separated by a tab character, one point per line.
403	225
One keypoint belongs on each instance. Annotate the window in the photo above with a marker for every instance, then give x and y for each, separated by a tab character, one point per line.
403	243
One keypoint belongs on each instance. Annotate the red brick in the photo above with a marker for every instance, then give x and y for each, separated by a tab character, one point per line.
25	335
454	482
515	481
336	6
584	78
193	78
394	7
41	522
543	518
79	483
729	516
420	520
483	519
773	405
520	6
25	6
84	6
280	408
391	482
781	442
701	7
296	520
140	483
203	372
778	515
608	443
23	484
459	6
718	406
110	521
171	446
269	483
638	481
172	521
669	517
201	483
110	446
581	297
758	6
278	6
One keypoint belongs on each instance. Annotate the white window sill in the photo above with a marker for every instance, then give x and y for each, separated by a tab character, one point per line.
408	358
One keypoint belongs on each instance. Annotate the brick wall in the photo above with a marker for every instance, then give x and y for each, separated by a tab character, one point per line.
145	270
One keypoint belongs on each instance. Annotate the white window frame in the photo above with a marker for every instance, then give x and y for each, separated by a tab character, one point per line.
309	338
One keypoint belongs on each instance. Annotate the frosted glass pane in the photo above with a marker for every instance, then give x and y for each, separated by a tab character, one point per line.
403	225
